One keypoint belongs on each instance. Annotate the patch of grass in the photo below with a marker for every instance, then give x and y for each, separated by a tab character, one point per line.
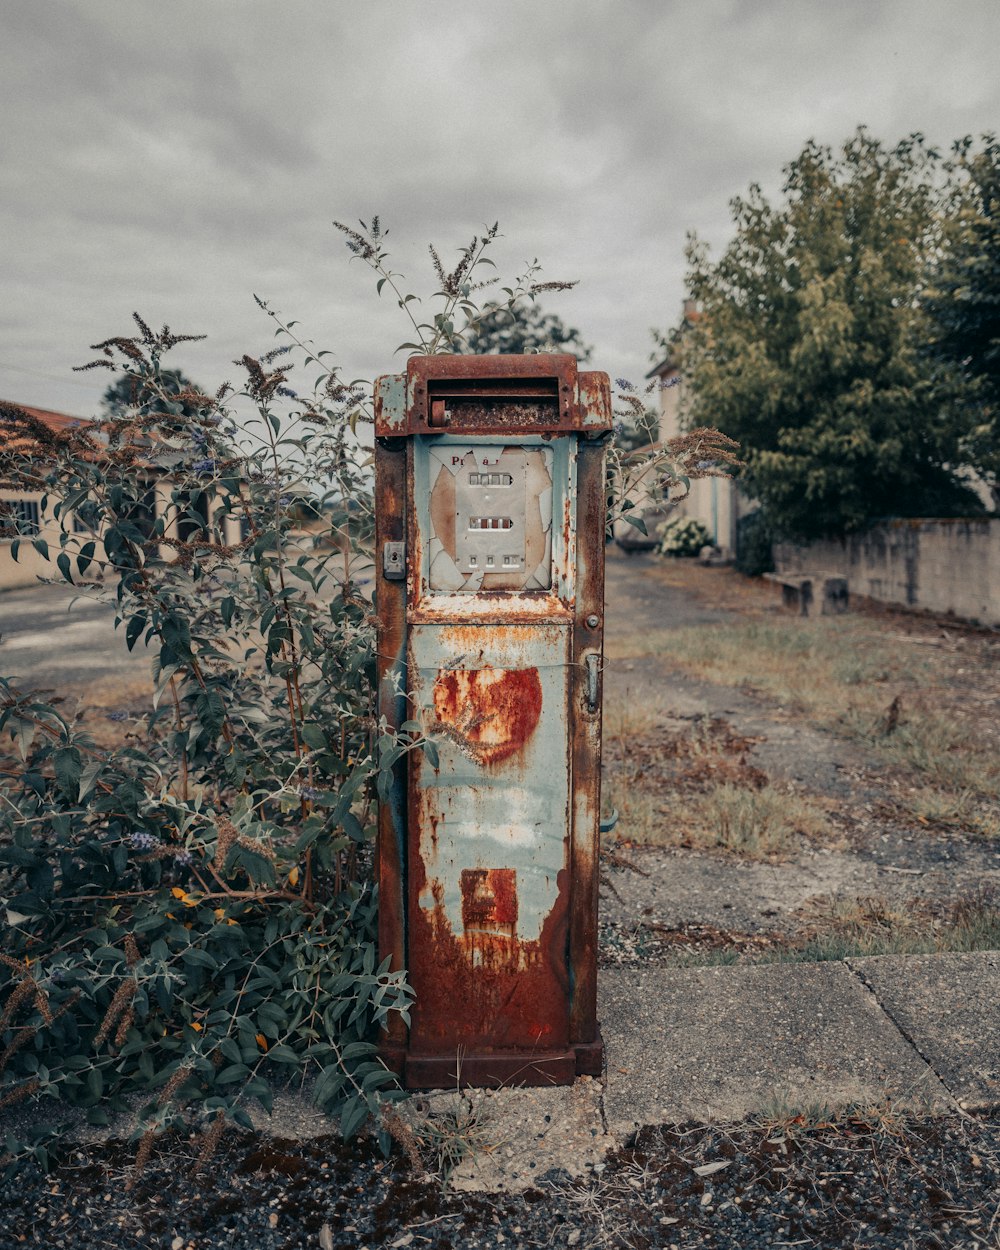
690	784
877	927
955	807
860	686
780	1118
804	664
765	823
786	1121
850	928
639	818
759	824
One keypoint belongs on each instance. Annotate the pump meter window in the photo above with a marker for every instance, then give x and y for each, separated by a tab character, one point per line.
490	518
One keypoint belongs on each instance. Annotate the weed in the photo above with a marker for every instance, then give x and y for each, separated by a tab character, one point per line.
781	1119
873	926
836	672
438	1139
759	824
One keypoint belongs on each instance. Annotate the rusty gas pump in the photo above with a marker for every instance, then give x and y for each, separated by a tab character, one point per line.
490	522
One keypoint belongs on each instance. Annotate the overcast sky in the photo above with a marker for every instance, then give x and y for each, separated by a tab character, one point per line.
175	157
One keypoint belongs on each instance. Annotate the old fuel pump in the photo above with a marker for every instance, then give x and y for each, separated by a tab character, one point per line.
490	519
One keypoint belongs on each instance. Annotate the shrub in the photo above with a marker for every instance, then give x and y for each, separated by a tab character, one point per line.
190	917
684	536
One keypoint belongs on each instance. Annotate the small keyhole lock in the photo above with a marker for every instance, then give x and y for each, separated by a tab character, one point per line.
394	561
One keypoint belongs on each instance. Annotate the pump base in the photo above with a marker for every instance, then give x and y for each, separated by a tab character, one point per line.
492	1070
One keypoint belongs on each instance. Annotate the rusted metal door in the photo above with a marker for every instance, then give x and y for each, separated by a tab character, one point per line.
490	514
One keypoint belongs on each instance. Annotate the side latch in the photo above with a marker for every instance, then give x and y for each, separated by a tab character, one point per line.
592	663
394	561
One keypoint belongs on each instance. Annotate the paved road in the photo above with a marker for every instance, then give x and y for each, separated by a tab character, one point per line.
53	637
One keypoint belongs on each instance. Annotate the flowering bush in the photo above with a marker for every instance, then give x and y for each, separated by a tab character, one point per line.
684	536
190	917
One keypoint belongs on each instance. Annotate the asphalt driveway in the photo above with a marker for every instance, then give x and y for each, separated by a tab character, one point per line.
51	637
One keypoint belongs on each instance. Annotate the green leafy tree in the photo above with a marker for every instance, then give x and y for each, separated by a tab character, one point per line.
964	296
525	327
811	349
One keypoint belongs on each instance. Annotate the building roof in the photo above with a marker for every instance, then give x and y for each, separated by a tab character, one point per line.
666	365
53	420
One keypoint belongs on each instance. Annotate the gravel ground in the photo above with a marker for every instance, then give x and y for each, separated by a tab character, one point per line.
879	1182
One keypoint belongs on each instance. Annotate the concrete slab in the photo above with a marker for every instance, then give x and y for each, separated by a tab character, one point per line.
517	1135
721	1044
948	1005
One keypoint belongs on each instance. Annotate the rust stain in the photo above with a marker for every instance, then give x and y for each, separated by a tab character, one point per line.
489	901
485	989
490	712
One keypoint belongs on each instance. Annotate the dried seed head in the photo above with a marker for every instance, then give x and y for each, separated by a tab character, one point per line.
141	1156
21	991
122	998
403	1135
21	1038
258	847
175	1082
42	1003
124	1024
210	1142
23	1091
228	834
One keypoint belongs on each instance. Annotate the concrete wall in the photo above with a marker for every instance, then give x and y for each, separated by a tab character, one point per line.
938	565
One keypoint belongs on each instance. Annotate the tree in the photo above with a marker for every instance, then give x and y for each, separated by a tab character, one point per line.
811	346
128	393
523	328
964	297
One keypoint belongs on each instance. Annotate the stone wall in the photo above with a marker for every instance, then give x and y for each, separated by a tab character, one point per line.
950	566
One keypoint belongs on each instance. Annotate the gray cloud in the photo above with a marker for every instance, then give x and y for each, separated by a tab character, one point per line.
177	158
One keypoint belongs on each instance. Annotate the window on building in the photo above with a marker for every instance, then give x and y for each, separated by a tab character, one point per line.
27	517
192	521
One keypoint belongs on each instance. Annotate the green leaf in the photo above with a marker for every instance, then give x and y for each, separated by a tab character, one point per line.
353	1116
68	766
134	629
198	958
282	1054
233	1072
313	736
